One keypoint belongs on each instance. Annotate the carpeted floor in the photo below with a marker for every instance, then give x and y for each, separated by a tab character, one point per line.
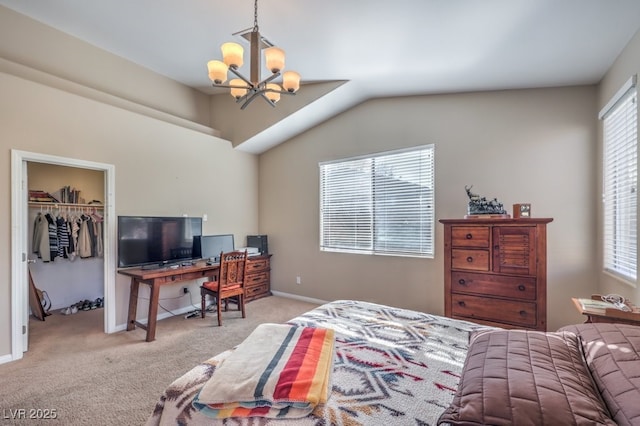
79	375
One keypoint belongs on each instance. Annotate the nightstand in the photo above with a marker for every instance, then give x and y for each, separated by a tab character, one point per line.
607	315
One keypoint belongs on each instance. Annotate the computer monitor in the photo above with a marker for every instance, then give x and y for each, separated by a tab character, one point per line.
210	246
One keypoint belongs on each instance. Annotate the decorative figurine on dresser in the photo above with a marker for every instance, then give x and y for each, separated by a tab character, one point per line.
495	269
481	206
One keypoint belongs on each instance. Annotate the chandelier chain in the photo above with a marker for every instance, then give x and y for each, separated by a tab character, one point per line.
255	17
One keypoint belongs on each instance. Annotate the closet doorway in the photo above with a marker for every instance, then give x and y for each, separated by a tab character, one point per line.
64	280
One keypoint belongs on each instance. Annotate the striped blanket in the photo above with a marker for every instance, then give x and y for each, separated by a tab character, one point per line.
279	371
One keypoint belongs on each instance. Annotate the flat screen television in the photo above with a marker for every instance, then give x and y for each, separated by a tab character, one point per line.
210	246
159	241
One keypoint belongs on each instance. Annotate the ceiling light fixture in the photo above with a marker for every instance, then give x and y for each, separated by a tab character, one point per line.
243	89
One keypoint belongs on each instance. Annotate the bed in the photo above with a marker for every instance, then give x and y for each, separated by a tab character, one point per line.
396	366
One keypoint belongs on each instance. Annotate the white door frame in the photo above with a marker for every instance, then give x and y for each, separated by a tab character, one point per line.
19	243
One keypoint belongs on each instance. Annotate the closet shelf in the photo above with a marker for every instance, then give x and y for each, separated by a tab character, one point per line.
59	205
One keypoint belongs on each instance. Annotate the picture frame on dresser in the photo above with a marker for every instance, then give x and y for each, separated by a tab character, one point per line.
522	210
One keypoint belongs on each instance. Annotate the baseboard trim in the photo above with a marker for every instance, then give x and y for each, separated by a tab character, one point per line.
6	358
298	297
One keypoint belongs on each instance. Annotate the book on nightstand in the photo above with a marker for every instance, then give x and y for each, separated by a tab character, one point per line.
596	305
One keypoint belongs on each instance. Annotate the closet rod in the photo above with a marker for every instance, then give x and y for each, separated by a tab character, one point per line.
64	205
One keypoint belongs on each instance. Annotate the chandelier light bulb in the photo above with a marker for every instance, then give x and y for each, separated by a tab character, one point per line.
232	54
291	81
217	71
275	59
273	96
238	92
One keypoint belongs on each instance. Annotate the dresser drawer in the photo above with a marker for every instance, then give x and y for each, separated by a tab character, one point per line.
257	265
258	290
470	236
498	310
259	278
471	260
499	285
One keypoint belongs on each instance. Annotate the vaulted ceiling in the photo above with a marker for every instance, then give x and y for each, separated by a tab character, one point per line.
348	51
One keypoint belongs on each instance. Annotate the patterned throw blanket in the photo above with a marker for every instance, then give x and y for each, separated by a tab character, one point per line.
279	371
391	367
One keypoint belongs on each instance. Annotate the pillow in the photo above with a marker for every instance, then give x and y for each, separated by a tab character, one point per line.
517	377
612	354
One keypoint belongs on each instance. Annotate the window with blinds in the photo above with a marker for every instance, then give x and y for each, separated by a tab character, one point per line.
379	204
620	181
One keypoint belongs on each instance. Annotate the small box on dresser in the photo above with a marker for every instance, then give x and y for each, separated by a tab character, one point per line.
496	271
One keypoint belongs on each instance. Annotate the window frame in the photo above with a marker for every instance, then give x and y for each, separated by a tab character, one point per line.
620	212
351	188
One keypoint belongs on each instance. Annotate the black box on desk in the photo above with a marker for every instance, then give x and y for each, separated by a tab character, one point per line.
258	241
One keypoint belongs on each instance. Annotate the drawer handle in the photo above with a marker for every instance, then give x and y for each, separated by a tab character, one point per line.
521	287
461	303
469	236
523	313
469	259
461	281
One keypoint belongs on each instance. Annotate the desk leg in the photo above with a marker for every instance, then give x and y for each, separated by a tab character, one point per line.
133	304
153	312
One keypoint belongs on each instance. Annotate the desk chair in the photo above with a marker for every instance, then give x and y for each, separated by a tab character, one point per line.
230	283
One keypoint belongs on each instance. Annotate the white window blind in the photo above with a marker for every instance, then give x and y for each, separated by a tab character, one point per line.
620	179
380	204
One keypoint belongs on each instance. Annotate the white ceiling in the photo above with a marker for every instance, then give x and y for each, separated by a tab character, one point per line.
382	47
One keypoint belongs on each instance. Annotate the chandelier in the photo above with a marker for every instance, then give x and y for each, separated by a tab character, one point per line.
243	89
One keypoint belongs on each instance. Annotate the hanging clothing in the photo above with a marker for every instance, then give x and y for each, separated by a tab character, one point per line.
40	240
53	236
63	237
74	224
98	223
84	239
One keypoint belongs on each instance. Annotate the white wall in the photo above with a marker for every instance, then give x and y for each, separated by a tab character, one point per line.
535	146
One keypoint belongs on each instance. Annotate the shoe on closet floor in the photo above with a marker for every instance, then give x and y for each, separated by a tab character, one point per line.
69	310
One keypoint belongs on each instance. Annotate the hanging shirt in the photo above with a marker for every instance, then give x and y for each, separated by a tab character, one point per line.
53	236
40	241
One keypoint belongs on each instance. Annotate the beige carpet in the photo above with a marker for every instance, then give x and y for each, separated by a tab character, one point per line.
88	377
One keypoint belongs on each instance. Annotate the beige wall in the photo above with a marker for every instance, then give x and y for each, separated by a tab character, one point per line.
534	146
626	65
27	42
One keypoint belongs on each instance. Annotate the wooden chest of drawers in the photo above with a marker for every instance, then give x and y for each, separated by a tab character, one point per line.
258	278
496	271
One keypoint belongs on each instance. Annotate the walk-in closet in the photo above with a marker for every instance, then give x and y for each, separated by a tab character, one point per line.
66	229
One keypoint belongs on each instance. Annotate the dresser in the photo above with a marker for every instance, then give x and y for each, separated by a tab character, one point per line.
258	278
495	271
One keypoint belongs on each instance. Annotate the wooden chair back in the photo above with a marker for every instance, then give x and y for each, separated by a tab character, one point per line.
229	283
233	267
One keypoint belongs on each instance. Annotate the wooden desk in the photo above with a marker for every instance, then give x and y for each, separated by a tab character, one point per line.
609	315
155	278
